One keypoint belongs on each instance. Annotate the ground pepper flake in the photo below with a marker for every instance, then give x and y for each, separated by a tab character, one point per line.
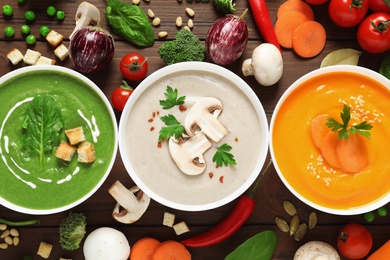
152	128
150	120
211	175
159	144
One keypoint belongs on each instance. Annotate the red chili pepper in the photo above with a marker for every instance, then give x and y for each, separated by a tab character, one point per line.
227	227
263	21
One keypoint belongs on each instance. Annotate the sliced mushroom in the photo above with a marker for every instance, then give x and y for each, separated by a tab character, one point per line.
86	15
131	203
316	250
188	153
203	117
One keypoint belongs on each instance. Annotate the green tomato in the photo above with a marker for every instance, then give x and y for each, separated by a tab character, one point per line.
29	15
9	31
44	31
51	11
25	29
7	10
60	15
31	39
384	69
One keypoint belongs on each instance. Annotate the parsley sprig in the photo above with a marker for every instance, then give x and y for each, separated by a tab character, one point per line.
172	128
343	129
172	98
223	156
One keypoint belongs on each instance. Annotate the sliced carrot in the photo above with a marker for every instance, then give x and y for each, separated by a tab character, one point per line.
383	253
309	39
285	26
143	249
172	250
328	149
352	154
318	129
295	5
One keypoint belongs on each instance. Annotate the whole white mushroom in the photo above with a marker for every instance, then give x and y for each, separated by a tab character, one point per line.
106	243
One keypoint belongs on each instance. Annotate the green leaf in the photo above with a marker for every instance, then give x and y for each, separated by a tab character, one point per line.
43	122
173	128
130	22
259	247
172	98
342	56
223	156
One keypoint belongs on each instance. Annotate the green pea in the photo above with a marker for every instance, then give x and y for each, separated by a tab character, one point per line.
382	211
51	11
60	15
21	1
25	29
369	216
31	39
7	10
44	31
29	15
9	31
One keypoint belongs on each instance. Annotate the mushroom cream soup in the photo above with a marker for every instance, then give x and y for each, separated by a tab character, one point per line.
54	183
151	159
300	161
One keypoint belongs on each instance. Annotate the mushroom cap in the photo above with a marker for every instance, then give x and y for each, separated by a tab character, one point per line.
106	243
267	64
316	250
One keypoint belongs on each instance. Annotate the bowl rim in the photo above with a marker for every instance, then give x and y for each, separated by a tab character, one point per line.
104	99
317	72
209	68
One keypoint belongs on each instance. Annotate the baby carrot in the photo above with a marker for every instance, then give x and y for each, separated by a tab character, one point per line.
309	39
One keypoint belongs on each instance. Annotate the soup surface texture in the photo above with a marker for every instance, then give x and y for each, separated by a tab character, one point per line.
55	183
300	160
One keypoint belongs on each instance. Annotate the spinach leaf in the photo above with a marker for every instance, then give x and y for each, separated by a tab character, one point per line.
43	122
130	22
261	246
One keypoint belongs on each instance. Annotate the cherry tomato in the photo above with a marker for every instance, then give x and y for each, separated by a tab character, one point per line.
134	66
373	34
354	241
347	13
379	6
120	95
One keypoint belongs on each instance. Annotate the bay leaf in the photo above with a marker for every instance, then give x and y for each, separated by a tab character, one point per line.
344	56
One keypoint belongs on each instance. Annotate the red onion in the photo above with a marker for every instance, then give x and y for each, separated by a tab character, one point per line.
226	39
91	49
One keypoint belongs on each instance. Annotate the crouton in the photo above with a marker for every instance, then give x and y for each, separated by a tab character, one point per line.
75	135
65	151
31	57
181	228
44	250
61	52
54	38
15	56
86	152
45	61
169	219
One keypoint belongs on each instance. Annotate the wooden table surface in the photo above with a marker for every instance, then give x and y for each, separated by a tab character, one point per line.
271	192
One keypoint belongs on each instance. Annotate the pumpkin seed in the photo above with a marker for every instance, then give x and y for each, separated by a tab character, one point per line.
282	224
294	224
289	208
312	220
301	232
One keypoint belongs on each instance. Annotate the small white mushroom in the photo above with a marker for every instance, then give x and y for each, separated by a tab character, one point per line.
203	117
131	203
86	15
266	64
316	250
188	153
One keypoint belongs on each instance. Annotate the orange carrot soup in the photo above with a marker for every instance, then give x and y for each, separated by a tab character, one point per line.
300	160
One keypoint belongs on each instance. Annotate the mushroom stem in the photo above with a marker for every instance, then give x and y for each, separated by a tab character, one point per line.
86	15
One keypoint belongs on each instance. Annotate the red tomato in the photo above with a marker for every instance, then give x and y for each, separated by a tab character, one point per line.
354	241
375	39
347	13
379	6
134	66
120	95
317	2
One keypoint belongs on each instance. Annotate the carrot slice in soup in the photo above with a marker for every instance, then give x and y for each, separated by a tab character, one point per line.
308	39
285	26
328	149
296	5
172	250
318	129
352	153
143	249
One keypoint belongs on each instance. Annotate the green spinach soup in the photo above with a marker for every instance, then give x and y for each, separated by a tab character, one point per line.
41	181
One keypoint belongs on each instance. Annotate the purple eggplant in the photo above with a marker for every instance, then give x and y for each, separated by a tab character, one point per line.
91	49
226	39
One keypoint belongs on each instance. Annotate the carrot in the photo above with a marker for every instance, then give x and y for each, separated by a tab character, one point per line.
309	39
318	129
352	154
295	5
285	26
383	253
143	249
328	149
172	250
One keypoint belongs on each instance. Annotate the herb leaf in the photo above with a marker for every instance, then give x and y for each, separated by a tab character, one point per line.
173	128
172	98
342	128
223	156
43	122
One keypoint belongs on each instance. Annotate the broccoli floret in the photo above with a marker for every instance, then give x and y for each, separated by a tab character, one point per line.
224	6
186	47
72	231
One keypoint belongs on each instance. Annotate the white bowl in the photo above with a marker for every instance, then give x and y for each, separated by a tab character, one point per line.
300	164
152	168
54	185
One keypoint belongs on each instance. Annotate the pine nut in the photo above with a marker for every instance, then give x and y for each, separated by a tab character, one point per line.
5	234
190	23
190	12
162	34
186	28
150	14
14	232
3	226
156	22
179	21
3	246
16	241
136	2
8	240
